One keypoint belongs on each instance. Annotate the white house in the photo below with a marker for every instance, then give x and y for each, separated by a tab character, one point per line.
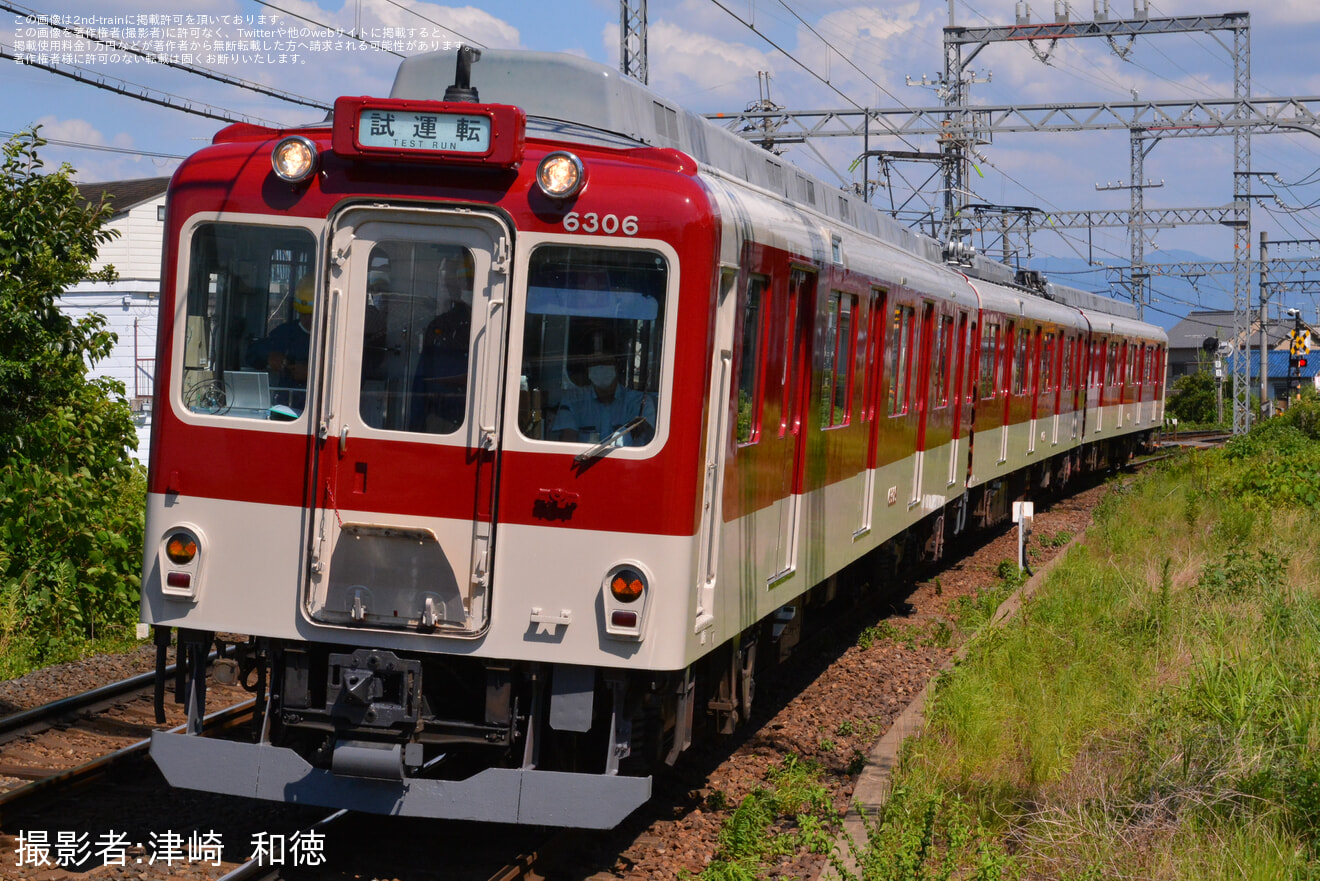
129	304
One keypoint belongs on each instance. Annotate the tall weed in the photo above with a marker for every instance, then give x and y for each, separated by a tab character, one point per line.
1157	714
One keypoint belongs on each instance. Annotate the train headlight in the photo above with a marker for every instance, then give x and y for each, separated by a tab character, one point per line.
625	589
561	175
294	159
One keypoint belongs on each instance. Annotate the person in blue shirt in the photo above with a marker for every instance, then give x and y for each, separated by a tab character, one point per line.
594	412
284	352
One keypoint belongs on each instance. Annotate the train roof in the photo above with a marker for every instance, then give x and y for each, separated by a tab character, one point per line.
571	98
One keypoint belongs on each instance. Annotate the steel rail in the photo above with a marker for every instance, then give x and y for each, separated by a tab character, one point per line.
38	714
81	774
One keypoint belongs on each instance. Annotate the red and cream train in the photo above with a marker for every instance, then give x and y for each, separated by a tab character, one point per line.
511	415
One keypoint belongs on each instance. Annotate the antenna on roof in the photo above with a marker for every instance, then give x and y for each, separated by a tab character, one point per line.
462	89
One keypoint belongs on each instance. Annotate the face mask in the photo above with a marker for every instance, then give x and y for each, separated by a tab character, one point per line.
601	375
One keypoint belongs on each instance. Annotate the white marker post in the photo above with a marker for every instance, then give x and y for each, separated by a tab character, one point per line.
1023	514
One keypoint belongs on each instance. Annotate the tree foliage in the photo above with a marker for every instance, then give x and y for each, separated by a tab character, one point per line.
70	495
1193	398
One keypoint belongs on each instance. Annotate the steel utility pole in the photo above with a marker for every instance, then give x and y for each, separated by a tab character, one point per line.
1136	216
632	39
1266	400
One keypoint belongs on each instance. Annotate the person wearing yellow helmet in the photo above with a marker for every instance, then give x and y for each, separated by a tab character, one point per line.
284	351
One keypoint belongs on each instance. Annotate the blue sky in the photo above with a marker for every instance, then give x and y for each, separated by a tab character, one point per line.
705	55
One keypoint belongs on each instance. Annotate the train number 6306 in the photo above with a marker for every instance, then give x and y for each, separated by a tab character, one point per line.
591	222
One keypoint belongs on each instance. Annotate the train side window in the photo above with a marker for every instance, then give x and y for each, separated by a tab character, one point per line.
1111	366
873	343
943	355
751	367
247	339
836	372
593	344
797	349
898	357
1068	349
973	359
989	359
1021	363
1047	364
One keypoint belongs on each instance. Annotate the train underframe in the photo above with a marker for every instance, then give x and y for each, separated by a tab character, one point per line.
368	720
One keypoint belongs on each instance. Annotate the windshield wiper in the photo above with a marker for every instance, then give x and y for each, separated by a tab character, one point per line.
599	448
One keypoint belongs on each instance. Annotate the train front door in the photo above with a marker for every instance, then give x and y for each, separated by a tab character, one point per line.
408	423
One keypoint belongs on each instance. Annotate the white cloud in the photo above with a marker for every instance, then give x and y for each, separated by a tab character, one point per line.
79	130
698	69
463	23
97	165
1289	13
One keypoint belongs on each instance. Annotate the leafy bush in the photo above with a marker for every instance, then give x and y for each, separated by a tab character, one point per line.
71	498
1304	414
1193	399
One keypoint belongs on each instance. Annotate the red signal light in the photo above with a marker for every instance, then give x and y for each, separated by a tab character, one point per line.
1301	362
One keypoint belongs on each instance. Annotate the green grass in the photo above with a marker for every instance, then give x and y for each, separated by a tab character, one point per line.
20	654
1154	712
794	804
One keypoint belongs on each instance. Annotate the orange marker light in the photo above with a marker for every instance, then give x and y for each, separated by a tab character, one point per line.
627	586
181	548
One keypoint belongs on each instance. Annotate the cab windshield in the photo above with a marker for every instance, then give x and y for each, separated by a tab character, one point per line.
593	342
247	337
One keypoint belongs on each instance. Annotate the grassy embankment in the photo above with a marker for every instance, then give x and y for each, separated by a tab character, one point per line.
1153	713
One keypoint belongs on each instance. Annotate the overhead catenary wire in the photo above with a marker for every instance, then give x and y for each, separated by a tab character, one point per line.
137	91
335	28
470	40
81	145
164	61
841	55
789	55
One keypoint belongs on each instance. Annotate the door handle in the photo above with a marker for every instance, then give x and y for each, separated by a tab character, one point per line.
485	397
343	440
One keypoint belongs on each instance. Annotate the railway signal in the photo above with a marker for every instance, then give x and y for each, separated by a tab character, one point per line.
1299	345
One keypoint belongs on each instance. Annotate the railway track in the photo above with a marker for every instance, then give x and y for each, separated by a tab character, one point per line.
792	717
49	741
91	750
1206	437
45	783
465	857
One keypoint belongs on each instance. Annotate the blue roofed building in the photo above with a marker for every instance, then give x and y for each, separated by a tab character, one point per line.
1277	375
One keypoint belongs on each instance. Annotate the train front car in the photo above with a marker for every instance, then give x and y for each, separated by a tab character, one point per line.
431	382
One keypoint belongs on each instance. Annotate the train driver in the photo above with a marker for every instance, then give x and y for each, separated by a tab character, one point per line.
284	351
595	412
